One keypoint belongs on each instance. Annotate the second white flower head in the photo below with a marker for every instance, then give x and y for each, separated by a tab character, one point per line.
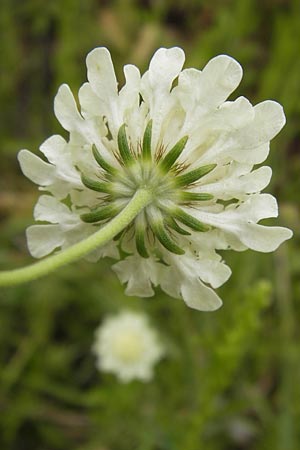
128	346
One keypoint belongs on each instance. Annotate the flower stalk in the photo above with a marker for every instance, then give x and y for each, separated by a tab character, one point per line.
140	200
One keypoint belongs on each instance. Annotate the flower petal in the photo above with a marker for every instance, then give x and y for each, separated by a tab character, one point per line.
139	274
43	239
257	207
66	110
240	222
36	169
130	92
101	74
187	89
164	67
246	141
178	280
156	85
263	239
48	208
252	156
198	296
109	250
90	104
213	272
211	87
268	121
236	185
220	77
53	148
210	133
102	78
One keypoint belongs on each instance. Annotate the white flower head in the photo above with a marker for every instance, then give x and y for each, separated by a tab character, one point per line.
128	346
172	132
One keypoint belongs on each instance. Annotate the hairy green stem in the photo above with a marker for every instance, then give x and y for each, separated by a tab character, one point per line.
17	276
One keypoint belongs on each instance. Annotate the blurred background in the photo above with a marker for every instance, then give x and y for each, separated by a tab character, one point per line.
231	378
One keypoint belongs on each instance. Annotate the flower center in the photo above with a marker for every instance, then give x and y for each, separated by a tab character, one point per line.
159	171
127	347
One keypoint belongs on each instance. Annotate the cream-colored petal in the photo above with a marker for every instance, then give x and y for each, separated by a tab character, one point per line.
213	272
164	67
220	77
130	92
101	73
208	89
53	148
140	274
36	169
257	207
90	103
261	238
66	110
43	239
185	277
234	185
49	209
156	84
240	222
210	132
181	280
189	82
268	121
102	78
198	296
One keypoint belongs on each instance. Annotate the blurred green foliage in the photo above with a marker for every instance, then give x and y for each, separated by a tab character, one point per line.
231	378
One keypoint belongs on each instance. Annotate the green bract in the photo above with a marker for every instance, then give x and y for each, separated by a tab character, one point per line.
158	172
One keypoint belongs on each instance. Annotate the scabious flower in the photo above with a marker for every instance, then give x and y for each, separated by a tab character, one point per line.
128	346
173	132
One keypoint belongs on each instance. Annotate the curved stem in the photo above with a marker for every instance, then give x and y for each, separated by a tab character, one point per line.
17	276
